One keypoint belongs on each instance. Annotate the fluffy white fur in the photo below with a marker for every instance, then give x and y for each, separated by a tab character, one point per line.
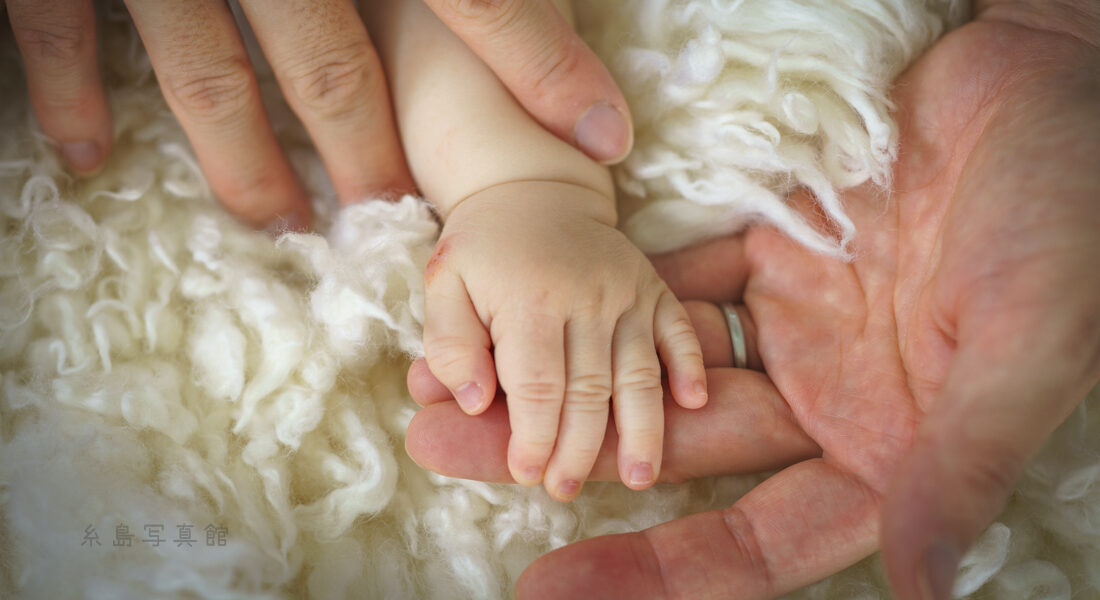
737	103
162	364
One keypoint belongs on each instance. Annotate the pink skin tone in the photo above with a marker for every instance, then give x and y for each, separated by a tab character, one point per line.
905	391
531	285
330	73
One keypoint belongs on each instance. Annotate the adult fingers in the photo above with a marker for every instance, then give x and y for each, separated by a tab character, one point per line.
716	271
587	403
807	522
58	43
746	427
530	355
550	71
456	344
714	334
332	77
1013	379
678	347
424	387
208	82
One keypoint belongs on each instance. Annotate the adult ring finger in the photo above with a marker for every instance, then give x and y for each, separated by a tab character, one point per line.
727	334
737	335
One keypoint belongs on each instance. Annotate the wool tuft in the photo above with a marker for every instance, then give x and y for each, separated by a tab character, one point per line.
736	104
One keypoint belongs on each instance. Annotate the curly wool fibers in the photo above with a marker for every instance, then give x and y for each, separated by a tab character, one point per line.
192	409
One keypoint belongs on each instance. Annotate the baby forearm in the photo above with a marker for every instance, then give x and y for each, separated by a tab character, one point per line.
461	129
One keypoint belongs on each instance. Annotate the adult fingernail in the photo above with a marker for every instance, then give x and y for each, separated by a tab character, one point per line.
82	156
469	396
603	133
941	564
641	474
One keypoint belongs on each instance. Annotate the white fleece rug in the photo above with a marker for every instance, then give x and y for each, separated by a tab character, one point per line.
190	409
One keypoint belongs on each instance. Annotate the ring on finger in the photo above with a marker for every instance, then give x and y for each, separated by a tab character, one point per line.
737	335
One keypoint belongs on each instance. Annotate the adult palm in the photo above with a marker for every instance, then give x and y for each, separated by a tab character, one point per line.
911	384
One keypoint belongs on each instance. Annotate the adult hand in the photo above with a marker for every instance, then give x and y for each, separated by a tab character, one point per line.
331	76
921	376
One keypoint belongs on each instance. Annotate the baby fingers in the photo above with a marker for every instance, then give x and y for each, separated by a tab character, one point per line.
637	399
584	414
456	344
679	349
531	368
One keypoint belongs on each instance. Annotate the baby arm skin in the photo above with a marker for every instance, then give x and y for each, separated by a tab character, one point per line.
530	281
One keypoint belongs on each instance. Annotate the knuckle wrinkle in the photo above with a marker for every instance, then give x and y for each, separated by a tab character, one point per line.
216	92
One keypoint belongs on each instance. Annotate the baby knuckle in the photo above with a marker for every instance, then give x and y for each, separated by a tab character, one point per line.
446	354
539	391
335	82
680	332
216	92
643	379
590	389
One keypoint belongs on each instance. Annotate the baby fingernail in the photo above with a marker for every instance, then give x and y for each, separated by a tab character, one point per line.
941	562
469	396
602	133
82	156
641	474
568	488
701	390
531	475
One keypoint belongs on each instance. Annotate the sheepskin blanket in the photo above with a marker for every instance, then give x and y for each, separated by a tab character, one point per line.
192	409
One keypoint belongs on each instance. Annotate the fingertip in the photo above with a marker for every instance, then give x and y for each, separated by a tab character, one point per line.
698	396
640	475
604	133
918	539
83	157
423	386
471	398
564	491
524	471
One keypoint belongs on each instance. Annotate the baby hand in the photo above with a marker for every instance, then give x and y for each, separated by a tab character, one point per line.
574	314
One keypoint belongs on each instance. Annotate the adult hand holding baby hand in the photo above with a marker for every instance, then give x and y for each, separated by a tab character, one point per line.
331	76
535	273
904	391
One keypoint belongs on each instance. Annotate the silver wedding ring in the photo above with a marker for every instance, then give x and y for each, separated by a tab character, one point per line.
737	335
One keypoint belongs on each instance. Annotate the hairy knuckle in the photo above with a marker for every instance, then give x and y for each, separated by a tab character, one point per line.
554	63
334	82
217	91
54	42
485	15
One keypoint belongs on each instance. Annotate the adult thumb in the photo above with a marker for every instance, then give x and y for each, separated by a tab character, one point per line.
548	69
1003	395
